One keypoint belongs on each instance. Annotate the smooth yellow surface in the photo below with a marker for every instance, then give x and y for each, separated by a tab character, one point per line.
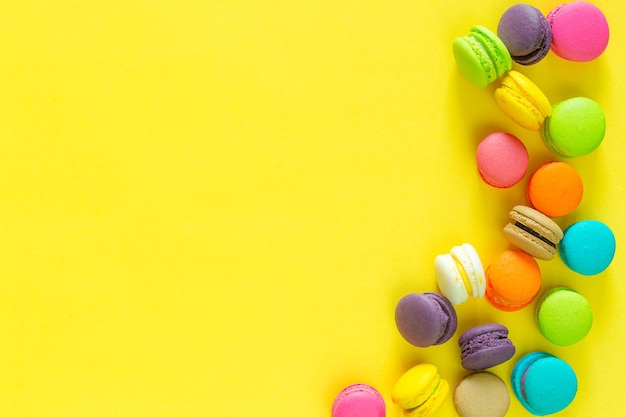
211	208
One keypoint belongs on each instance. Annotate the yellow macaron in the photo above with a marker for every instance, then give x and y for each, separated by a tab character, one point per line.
523	101
420	391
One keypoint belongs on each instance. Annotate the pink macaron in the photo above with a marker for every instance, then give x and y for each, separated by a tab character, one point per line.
358	400
580	31
502	160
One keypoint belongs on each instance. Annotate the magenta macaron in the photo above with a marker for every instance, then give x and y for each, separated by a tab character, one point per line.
358	400
580	31
502	160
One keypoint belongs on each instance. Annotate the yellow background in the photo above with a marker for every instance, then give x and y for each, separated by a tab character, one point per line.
211	208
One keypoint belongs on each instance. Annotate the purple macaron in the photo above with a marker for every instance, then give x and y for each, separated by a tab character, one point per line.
526	33
485	346
425	319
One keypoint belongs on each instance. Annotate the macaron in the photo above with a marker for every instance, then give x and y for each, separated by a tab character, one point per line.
513	280
481	394
502	160
485	346
533	232
481	56
526	33
521	100
460	274
420	391
580	31
555	189
575	128
358	400
564	317
588	247
425	319
543	383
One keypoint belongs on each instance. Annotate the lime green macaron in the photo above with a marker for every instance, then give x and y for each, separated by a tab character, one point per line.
564	317
575	128
481	56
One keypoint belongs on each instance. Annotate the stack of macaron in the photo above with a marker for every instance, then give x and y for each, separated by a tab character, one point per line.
543	383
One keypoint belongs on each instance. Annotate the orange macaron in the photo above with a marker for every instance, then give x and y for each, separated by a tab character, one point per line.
555	189
513	280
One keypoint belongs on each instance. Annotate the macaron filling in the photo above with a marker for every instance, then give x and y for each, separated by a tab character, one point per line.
535	234
431	389
448	325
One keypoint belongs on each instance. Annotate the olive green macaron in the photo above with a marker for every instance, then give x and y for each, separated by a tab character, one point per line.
564	316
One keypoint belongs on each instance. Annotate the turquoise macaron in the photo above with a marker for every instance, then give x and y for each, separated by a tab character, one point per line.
543	383
564	316
587	247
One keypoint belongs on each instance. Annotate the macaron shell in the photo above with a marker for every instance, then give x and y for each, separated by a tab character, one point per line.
576	127
359	400
588	247
521	100
481	394
433	404
526	33
513	280
555	189
449	279
545	384
425	319
502	160
468	258
580	31
416	386
485	346
533	232
564	317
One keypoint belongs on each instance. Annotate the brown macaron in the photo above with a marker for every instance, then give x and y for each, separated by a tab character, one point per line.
481	394
533	232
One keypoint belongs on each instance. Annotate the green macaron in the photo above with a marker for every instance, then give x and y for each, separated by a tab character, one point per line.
564	317
575	128
481	56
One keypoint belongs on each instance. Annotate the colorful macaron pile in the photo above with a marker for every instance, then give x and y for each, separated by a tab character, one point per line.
542	383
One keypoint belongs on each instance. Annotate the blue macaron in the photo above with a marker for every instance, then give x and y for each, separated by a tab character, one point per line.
587	247
543	383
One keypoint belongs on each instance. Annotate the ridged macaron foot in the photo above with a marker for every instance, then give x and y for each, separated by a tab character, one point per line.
521	100
576	127
425	319
588	247
564	316
481	394
580	31
526	33
358	400
543	383
513	280
485	346
460	274
481	56
533	232
420	391
555	189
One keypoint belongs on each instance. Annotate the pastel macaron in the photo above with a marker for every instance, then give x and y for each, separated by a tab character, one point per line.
564	316
576	127
425	319
543	383
481	56
526	33
533	232
460	274
420	391
513	280
580	31
485	346
481	394
555	189
588	247
521	100
358	400
502	160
